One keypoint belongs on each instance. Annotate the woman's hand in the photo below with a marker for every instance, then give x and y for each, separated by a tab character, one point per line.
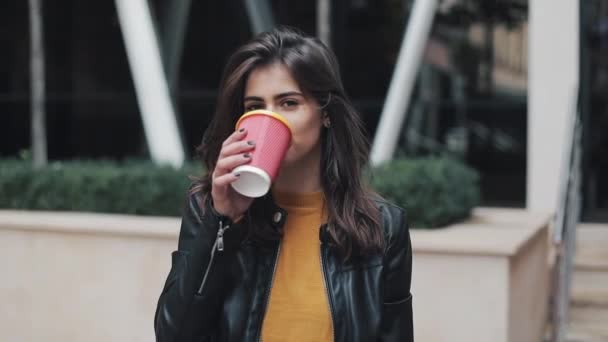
234	152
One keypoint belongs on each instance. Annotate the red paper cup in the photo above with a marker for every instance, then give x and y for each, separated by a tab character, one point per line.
272	135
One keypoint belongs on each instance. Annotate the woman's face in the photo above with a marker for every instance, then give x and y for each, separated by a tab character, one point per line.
273	88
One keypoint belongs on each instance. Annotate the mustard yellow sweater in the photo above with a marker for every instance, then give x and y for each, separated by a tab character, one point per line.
298	307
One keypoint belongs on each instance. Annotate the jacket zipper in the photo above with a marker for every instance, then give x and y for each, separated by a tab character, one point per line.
329	301
274	270
218	245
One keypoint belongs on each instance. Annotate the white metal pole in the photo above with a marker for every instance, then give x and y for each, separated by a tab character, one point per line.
150	82
553	73
37	79
404	77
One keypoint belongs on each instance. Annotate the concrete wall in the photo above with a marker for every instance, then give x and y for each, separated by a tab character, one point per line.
529	281
460	297
78	277
484	280
90	277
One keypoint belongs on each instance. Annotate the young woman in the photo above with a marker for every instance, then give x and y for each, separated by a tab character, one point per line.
320	257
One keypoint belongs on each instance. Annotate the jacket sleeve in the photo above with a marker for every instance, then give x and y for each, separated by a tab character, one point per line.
191	300
397	318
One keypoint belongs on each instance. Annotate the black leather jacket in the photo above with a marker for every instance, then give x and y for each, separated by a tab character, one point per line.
218	286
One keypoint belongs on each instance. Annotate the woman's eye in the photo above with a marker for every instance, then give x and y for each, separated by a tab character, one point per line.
290	103
254	106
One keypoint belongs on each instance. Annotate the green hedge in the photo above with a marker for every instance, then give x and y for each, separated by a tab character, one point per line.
133	187
436	191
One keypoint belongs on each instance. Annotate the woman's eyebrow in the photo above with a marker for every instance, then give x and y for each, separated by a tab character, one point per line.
289	93
278	96
253	98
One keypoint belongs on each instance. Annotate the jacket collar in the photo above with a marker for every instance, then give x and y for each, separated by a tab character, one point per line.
278	216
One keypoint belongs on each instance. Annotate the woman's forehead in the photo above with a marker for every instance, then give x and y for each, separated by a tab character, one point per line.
270	80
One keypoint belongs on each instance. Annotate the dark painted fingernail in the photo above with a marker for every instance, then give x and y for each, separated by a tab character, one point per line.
251	142
242	130
237	175
246	155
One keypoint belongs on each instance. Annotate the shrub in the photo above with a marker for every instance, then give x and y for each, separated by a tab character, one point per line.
435	191
132	187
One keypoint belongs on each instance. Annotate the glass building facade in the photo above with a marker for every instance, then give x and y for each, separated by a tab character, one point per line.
470	100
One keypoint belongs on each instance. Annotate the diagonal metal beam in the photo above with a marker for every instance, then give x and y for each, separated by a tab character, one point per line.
153	97
173	31
404	77
324	21
260	15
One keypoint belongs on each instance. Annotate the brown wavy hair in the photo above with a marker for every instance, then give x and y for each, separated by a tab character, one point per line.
353	219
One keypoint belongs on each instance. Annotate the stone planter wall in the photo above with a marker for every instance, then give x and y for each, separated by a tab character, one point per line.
74	277
483	280
94	277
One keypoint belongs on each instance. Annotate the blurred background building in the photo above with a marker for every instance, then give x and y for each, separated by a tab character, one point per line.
470	99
